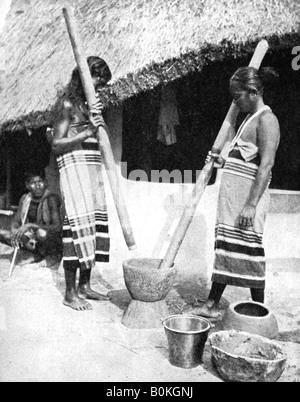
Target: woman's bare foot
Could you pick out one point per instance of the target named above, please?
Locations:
(208, 310)
(85, 292)
(77, 303)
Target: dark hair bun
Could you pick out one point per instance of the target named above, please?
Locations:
(269, 77)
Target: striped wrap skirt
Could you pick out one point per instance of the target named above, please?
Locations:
(85, 231)
(239, 253)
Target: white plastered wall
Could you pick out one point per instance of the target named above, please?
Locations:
(155, 209)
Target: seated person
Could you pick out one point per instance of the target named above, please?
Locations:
(36, 228)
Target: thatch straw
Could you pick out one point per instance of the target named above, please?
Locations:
(145, 42)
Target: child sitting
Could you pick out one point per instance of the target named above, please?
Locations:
(36, 228)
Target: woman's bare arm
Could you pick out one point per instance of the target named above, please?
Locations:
(268, 140)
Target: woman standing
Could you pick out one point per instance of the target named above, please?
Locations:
(244, 196)
(85, 233)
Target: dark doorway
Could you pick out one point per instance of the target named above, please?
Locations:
(27, 151)
(203, 100)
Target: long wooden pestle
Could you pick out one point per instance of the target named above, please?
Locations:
(103, 133)
(206, 173)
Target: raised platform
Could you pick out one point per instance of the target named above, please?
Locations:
(285, 202)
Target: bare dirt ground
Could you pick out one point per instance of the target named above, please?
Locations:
(43, 341)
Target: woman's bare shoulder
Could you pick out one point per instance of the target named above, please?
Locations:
(67, 105)
(67, 110)
(268, 127)
(268, 118)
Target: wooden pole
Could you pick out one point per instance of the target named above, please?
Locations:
(222, 137)
(8, 178)
(206, 173)
(13, 261)
(102, 135)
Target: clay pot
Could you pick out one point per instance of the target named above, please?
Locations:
(243, 357)
(145, 282)
(251, 317)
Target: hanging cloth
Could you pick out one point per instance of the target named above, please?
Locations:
(168, 117)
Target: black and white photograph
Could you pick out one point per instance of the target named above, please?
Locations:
(149, 193)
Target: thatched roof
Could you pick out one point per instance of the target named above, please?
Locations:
(145, 42)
